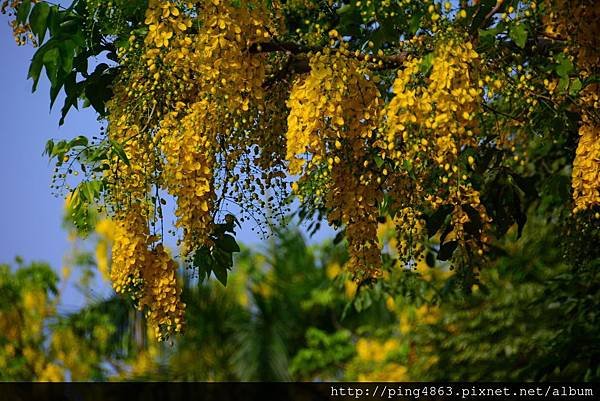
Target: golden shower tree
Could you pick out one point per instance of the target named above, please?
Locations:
(451, 119)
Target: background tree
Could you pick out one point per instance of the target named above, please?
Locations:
(38, 343)
(292, 312)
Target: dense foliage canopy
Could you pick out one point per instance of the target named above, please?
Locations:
(454, 121)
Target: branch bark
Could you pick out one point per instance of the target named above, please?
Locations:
(298, 59)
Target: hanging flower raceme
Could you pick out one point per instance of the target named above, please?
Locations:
(189, 146)
(430, 125)
(586, 168)
(333, 115)
(179, 98)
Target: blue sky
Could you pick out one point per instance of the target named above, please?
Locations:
(32, 221)
(31, 214)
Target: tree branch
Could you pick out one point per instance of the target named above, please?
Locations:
(298, 60)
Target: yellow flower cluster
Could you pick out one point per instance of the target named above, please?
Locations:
(429, 123)
(22, 334)
(129, 253)
(333, 114)
(105, 229)
(376, 361)
(576, 22)
(586, 168)
(21, 31)
(162, 293)
(181, 111)
(189, 154)
(148, 273)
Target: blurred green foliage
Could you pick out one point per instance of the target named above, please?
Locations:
(291, 312)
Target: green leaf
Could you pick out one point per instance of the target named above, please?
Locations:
(564, 66)
(518, 33)
(98, 87)
(563, 83)
(23, 11)
(87, 191)
(221, 274)
(575, 87)
(223, 258)
(427, 63)
(55, 89)
(67, 53)
(349, 14)
(228, 244)
(474, 224)
(73, 92)
(378, 161)
(53, 20)
(204, 262)
(38, 20)
(119, 151)
(51, 60)
(49, 147)
(35, 68)
(437, 219)
(362, 301)
(409, 169)
(80, 140)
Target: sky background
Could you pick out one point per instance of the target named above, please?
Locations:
(32, 215)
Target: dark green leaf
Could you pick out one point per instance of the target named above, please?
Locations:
(67, 52)
(435, 221)
(51, 61)
(482, 9)
(339, 237)
(474, 224)
(446, 250)
(35, 68)
(98, 87)
(430, 259)
(23, 11)
(415, 22)
(118, 150)
(563, 84)
(53, 20)
(223, 258)
(221, 273)
(227, 243)
(38, 20)
(55, 89)
(409, 169)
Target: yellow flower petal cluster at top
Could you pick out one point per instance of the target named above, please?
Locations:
(334, 112)
(428, 124)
